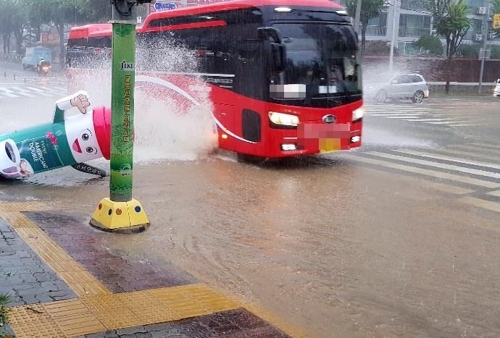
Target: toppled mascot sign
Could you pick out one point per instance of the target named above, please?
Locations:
(67, 141)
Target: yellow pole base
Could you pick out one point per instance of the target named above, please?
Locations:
(119, 216)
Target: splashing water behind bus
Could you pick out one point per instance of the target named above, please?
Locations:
(168, 125)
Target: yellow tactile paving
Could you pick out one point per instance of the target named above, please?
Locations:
(98, 313)
(97, 309)
(33, 321)
(78, 279)
(111, 311)
(74, 318)
(147, 308)
(22, 206)
(180, 304)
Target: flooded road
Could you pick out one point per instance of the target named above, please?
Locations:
(398, 239)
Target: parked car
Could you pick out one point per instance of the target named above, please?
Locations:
(404, 86)
(496, 91)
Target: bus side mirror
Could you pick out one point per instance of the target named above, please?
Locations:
(278, 57)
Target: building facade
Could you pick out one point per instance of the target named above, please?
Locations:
(414, 20)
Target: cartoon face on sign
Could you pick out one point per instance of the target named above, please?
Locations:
(82, 139)
(11, 163)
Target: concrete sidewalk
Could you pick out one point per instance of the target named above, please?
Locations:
(61, 283)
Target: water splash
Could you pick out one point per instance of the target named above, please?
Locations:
(170, 124)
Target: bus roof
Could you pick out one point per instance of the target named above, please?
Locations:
(83, 32)
(239, 4)
(105, 29)
(100, 33)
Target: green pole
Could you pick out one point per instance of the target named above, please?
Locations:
(120, 212)
(122, 107)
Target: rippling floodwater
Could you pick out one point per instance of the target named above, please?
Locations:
(324, 245)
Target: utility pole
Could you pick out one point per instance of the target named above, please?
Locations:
(357, 18)
(395, 30)
(485, 30)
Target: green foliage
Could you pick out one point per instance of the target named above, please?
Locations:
(369, 9)
(450, 22)
(17, 16)
(4, 299)
(469, 51)
(495, 52)
(377, 48)
(431, 44)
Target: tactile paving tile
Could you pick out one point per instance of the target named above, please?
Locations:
(75, 276)
(148, 309)
(192, 300)
(33, 321)
(17, 220)
(210, 299)
(74, 318)
(22, 206)
(111, 311)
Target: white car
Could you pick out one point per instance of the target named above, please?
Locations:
(404, 86)
(496, 91)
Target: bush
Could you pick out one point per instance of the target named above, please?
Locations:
(4, 299)
(429, 44)
(495, 52)
(469, 51)
(377, 48)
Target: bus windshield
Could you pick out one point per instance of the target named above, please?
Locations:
(322, 62)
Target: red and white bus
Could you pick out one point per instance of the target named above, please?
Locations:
(285, 75)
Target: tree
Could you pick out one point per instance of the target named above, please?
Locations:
(431, 44)
(96, 10)
(450, 22)
(59, 13)
(12, 20)
(369, 9)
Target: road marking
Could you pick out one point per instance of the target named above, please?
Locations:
(486, 145)
(474, 148)
(448, 158)
(23, 91)
(395, 114)
(412, 118)
(462, 153)
(426, 172)
(437, 165)
(8, 92)
(435, 120)
(494, 193)
(480, 203)
(464, 124)
(40, 91)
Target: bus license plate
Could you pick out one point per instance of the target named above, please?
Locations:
(327, 145)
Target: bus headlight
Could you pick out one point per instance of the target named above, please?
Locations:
(358, 114)
(283, 119)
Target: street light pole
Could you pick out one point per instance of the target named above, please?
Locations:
(485, 30)
(357, 17)
(395, 28)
